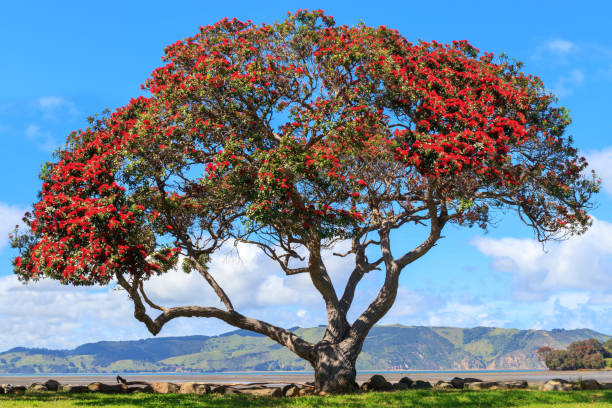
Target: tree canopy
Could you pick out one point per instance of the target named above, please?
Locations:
(585, 354)
(292, 137)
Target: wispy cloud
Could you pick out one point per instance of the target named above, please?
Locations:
(560, 46)
(54, 107)
(9, 217)
(566, 85)
(601, 162)
(43, 138)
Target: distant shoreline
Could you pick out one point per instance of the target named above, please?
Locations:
(287, 377)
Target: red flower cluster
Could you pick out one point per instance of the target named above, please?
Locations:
(303, 129)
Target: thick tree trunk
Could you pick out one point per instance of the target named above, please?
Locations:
(334, 369)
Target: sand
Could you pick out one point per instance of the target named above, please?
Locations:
(533, 377)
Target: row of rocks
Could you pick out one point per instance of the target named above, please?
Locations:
(564, 385)
(290, 390)
(379, 383)
(375, 383)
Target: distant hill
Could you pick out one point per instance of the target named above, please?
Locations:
(386, 348)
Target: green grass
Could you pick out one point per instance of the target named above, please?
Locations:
(416, 398)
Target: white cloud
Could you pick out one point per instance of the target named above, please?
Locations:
(559, 46)
(9, 216)
(579, 263)
(48, 314)
(43, 138)
(601, 162)
(250, 279)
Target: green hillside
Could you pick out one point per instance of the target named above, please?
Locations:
(393, 347)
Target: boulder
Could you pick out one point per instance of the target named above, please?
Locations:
(147, 389)
(164, 388)
(460, 382)
(1, 388)
(421, 385)
(291, 391)
(306, 391)
(481, 385)
(37, 387)
(406, 380)
(589, 385)
(232, 390)
(73, 389)
(513, 384)
(377, 383)
(52, 385)
(558, 385)
(606, 385)
(218, 389)
(194, 388)
(399, 386)
(107, 388)
(263, 392)
(14, 389)
(443, 385)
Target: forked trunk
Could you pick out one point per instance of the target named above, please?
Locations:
(334, 369)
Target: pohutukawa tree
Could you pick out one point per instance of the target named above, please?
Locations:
(292, 137)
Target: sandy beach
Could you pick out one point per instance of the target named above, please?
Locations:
(535, 377)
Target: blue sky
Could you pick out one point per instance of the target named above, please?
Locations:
(64, 61)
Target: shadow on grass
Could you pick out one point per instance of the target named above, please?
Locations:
(393, 399)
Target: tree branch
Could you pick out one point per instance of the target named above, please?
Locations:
(388, 292)
(282, 336)
(212, 282)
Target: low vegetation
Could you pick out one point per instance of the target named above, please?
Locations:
(586, 354)
(410, 398)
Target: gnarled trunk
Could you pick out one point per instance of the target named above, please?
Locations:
(334, 368)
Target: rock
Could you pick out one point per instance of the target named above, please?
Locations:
(291, 391)
(460, 382)
(263, 392)
(147, 389)
(306, 391)
(194, 388)
(37, 387)
(421, 385)
(513, 384)
(399, 386)
(219, 389)
(606, 385)
(1, 388)
(164, 388)
(481, 385)
(443, 385)
(14, 389)
(232, 390)
(73, 389)
(406, 380)
(589, 385)
(107, 388)
(52, 385)
(286, 387)
(558, 385)
(378, 383)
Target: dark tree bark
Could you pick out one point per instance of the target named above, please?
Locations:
(334, 368)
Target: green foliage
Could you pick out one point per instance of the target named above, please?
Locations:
(580, 354)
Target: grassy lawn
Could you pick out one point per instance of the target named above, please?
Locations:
(414, 398)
